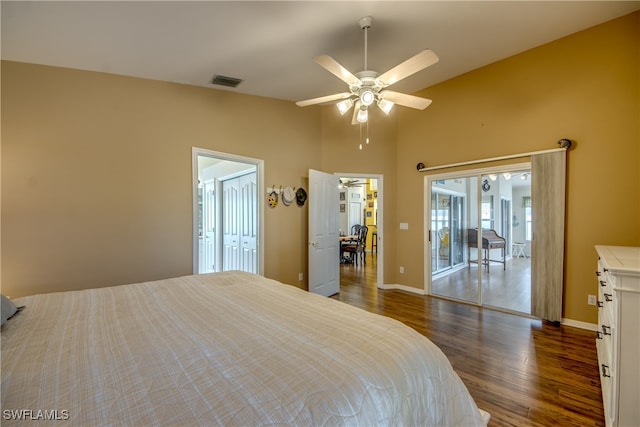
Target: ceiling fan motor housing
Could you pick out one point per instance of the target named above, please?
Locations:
(368, 89)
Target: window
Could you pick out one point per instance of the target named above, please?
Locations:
(487, 212)
(528, 217)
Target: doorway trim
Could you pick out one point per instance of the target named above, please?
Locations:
(379, 221)
(259, 164)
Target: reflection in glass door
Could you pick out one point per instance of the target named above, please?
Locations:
(451, 214)
(508, 286)
(466, 212)
(446, 224)
(440, 212)
(505, 226)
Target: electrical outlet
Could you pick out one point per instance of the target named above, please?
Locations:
(401, 269)
(300, 277)
(591, 300)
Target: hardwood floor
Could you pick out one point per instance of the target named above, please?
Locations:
(508, 288)
(523, 371)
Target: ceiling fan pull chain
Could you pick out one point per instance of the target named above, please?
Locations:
(367, 139)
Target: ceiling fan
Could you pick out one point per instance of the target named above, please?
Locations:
(368, 87)
(352, 183)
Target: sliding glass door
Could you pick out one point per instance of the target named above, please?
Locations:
(451, 215)
(480, 241)
(447, 221)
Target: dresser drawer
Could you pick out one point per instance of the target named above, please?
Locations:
(606, 378)
(605, 339)
(606, 300)
(604, 279)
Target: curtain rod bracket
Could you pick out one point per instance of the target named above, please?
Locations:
(565, 143)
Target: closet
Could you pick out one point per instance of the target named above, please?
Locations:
(239, 223)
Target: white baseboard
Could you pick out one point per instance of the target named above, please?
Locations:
(404, 288)
(579, 324)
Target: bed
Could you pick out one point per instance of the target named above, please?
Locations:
(228, 348)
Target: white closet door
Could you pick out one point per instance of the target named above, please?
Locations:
(248, 222)
(208, 253)
(231, 225)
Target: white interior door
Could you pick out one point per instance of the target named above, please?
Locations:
(324, 250)
(231, 225)
(355, 215)
(249, 223)
(240, 223)
(208, 264)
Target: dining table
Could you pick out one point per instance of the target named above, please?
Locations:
(347, 240)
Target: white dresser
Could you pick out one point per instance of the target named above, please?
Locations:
(618, 340)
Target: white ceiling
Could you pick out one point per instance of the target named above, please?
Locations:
(271, 45)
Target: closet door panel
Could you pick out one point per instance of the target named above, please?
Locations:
(231, 225)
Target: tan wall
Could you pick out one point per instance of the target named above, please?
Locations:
(96, 168)
(583, 87)
(96, 175)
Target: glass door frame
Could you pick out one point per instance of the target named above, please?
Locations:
(430, 240)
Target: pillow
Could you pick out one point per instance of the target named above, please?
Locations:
(7, 309)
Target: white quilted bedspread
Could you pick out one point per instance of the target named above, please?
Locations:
(221, 349)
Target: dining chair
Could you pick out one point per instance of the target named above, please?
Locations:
(357, 249)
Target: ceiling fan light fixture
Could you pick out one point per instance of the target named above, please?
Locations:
(367, 87)
(367, 97)
(363, 115)
(344, 106)
(385, 105)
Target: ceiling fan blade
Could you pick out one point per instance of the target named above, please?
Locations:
(354, 118)
(323, 99)
(412, 65)
(334, 67)
(406, 100)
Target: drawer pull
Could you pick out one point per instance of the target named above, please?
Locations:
(603, 283)
(599, 335)
(599, 304)
(607, 297)
(606, 330)
(605, 371)
(598, 274)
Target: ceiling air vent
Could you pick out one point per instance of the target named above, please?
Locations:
(225, 81)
